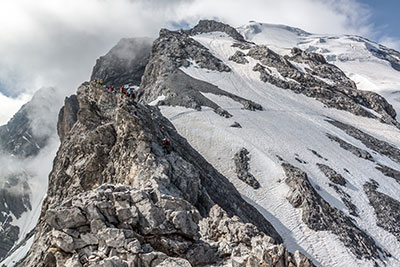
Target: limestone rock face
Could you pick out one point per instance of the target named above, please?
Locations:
(205, 26)
(67, 116)
(163, 77)
(324, 82)
(320, 215)
(116, 198)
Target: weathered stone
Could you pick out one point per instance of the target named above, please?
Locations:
(320, 216)
(332, 175)
(206, 26)
(65, 218)
(336, 90)
(236, 125)
(239, 57)
(361, 153)
(67, 116)
(382, 147)
(386, 208)
(390, 172)
(241, 160)
(63, 241)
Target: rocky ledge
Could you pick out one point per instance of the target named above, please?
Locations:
(115, 198)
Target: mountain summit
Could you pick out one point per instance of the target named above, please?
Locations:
(262, 145)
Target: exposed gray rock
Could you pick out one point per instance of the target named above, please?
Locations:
(390, 172)
(162, 76)
(205, 26)
(109, 145)
(65, 218)
(124, 63)
(335, 177)
(361, 153)
(298, 159)
(340, 92)
(390, 55)
(243, 46)
(382, 147)
(239, 57)
(243, 244)
(183, 90)
(353, 210)
(317, 154)
(386, 208)
(241, 160)
(320, 216)
(320, 68)
(236, 125)
(67, 116)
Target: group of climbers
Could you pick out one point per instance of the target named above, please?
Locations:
(124, 90)
(166, 145)
(130, 94)
(127, 92)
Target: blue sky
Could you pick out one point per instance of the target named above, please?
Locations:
(385, 17)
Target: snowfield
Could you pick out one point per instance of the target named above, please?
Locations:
(290, 126)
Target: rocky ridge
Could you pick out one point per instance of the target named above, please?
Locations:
(163, 77)
(115, 198)
(320, 80)
(319, 215)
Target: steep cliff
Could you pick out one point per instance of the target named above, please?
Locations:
(117, 197)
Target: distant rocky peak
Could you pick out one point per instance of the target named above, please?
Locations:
(124, 63)
(205, 26)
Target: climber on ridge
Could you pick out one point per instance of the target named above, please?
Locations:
(166, 145)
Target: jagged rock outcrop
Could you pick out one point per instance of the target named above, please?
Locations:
(322, 81)
(319, 215)
(390, 172)
(239, 57)
(361, 153)
(236, 125)
(333, 176)
(176, 49)
(382, 147)
(245, 244)
(120, 225)
(206, 26)
(110, 144)
(386, 208)
(124, 63)
(242, 168)
(67, 116)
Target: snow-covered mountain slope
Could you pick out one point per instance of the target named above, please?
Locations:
(371, 66)
(27, 147)
(327, 171)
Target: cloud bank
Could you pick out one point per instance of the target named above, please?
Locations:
(56, 42)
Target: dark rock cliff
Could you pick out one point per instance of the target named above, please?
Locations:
(125, 63)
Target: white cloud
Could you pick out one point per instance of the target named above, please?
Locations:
(56, 42)
(9, 106)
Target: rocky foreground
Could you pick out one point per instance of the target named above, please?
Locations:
(116, 199)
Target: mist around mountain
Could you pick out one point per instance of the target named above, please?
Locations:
(284, 152)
